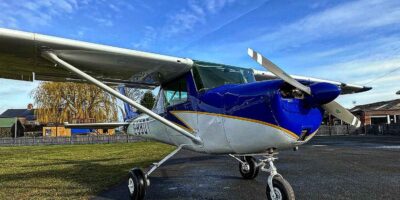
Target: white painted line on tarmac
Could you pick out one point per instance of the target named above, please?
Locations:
(388, 147)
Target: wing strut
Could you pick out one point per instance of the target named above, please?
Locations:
(54, 58)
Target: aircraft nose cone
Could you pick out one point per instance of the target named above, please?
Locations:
(322, 93)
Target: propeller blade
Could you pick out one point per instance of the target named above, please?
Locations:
(341, 113)
(270, 66)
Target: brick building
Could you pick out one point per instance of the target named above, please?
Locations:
(384, 112)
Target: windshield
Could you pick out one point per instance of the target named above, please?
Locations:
(210, 75)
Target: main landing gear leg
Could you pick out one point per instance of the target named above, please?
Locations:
(278, 188)
(139, 181)
(248, 167)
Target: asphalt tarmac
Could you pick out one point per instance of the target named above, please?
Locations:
(340, 167)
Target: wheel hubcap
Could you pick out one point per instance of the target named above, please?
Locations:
(278, 194)
(131, 185)
(245, 167)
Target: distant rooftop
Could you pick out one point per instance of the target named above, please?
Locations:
(382, 105)
(28, 114)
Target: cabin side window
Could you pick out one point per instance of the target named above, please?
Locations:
(175, 92)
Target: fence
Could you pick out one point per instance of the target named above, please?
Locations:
(382, 129)
(89, 139)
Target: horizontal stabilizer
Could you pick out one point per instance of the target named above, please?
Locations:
(96, 125)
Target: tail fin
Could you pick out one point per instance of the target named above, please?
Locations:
(130, 114)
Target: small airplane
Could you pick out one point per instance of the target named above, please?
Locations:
(205, 107)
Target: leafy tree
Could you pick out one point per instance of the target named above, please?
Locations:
(61, 102)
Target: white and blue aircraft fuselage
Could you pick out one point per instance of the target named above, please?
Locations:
(242, 117)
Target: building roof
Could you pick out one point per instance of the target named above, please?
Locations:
(28, 114)
(7, 122)
(382, 105)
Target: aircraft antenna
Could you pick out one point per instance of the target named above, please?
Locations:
(382, 76)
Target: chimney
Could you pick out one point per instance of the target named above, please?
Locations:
(30, 106)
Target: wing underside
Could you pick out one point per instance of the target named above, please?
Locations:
(21, 59)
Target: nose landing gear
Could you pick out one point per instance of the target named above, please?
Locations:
(278, 188)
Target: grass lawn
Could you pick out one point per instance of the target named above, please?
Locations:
(71, 171)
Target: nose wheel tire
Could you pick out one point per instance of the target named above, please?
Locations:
(248, 169)
(137, 184)
(282, 189)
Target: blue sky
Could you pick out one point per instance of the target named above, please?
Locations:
(349, 41)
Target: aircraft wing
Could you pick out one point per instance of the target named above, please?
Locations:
(346, 88)
(20, 59)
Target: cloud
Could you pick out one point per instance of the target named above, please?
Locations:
(347, 19)
(150, 34)
(215, 5)
(38, 13)
(114, 8)
(104, 21)
(195, 14)
(192, 16)
(18, 13)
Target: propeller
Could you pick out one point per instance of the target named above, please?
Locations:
(332, 107)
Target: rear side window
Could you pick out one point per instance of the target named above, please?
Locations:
(175, 92)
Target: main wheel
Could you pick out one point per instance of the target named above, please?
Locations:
(249, 169)
(282, 189)
(137, 184)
